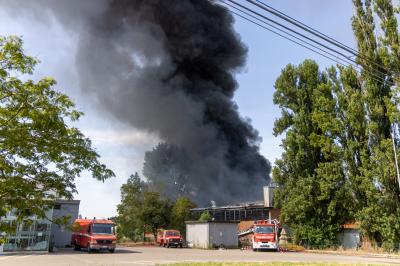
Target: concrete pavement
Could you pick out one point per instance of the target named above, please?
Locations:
(156, 255)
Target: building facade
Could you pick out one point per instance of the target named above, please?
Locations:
(34, 234)
(61, 235)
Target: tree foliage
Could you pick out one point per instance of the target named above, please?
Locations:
(181, 213)
(141, 210)
(129, 223)
(313, 190)
(338, 162)
(205, 216)
(40, 154)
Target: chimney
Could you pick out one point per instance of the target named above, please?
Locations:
(269, 196)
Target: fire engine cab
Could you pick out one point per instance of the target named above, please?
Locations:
(265, 235)
(94, 234)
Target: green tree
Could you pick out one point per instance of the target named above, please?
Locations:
(205, 216)
(313, 192)
(40, 154)
(129, 222)
(141, 210)
(181, 213)
(338, 162)
(379, 54)
(155, 212)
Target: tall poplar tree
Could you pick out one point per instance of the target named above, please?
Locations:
(313, 194)
(379, 55)
(338, 163)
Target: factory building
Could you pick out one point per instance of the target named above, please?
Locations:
(226, 221)
(249, 211)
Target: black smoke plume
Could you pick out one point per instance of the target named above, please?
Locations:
(167, 67)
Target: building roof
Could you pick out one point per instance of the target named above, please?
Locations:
(211, 222)
(255, 204)
(64, 201)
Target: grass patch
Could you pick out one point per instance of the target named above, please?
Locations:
(266, 264)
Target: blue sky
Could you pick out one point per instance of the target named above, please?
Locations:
(121, 147)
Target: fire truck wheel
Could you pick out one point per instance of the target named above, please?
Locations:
(77, 247)
(180, 245)
(89, 250)
(111, 250)
(254, 249)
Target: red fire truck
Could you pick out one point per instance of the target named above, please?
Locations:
(167, 238)
(265, 235)
(94, 234)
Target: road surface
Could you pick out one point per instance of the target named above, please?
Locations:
(156, 255)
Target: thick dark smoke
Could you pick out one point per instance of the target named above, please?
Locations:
(168, 67)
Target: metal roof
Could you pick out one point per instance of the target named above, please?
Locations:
(256, 204)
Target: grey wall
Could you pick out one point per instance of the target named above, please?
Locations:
(223, 234)
(350, 238)
(61, 236)
(212, 234)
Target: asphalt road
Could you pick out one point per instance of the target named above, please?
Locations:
(156, 255)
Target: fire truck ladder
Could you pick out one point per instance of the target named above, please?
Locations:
(245, 232)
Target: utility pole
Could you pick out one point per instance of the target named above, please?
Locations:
(395, 155)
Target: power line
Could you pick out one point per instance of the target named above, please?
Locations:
(285, 37)
(290, 29)
(287, 33)
(314, 32)
(257, 17)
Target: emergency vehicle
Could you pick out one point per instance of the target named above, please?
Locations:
(265, 235)
(94, 234)
(168, 238)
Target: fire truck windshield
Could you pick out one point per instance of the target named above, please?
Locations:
(102, 229)
(266, 229)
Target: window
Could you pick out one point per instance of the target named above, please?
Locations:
(264, 229)
(102, 229)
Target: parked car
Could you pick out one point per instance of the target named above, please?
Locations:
(168, 238)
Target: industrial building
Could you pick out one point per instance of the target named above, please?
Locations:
(249, 211)
(227, 221)
(36, 234)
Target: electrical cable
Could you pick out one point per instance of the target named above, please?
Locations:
(289, 34)
(352, 62)
(315, 32)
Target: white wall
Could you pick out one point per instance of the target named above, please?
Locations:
(197, 235)
(223, 234)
